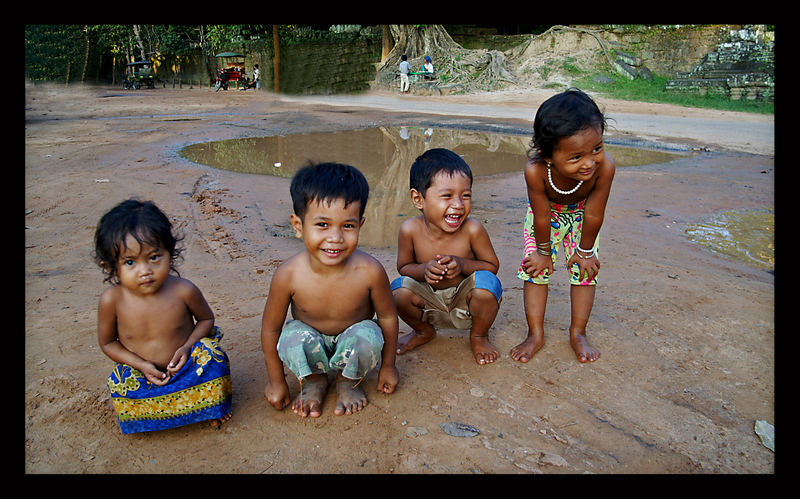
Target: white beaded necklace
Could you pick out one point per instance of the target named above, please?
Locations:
(550, 179)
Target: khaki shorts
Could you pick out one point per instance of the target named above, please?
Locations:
(447, 308)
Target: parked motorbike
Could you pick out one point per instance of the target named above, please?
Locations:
(222, 80)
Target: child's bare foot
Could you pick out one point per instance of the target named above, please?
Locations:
(414, 339)
(483, 351)
(351, 397)
(528, 348)
(309, 401)
(217, 423)
(584, 351)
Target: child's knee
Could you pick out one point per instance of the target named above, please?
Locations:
(487, 281)
(483, 298)
(406, 299)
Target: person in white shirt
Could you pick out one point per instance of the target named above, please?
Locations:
(427, 68)
(405, 67)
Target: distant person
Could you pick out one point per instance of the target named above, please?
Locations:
(157, 327)
(427, 68)
(405, 68)
(256, 83)
(446, 261)
(568, 178)
(334, 291)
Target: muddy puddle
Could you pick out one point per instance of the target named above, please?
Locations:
(746, 236)
(385, 155)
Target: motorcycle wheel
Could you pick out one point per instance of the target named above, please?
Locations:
(216, 86)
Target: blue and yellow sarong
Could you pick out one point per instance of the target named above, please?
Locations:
(202, 390)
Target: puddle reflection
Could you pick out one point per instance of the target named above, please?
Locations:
(384, 155)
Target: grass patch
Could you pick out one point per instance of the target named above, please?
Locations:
(655, 91)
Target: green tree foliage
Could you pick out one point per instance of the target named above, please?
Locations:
(58, 52)
(53, 51)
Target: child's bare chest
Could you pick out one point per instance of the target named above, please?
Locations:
(330, 302)
(426, 248)
(152, 318)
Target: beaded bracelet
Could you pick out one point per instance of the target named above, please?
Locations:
(590, 252)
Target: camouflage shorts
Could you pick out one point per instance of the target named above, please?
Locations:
(354, 351)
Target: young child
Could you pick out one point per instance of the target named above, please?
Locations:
(157, 326)
(334, 291)
(568, 179)
(446, 261)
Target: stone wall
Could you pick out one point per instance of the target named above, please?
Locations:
(741, 67)
(324, 66)
(732, 60)
(665, 50)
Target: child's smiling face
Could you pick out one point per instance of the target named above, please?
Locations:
(447, 202)
(578, 155)
(329, 230)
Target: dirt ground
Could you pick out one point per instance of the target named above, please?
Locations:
(687, 337)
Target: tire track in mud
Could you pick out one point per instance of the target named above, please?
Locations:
(205, 225)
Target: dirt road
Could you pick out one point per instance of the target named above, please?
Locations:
(687, 337)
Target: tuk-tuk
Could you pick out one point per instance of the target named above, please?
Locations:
(230, 68)
(139, 74)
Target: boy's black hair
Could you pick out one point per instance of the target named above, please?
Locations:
(327, 182)
(561, 116)
(433, 161)
(145, 222)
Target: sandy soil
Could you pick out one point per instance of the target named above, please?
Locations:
(687, 337)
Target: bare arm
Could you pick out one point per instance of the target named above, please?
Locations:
(204, 322)
(386, 312)
(536, 263)
(595, 208)
(277, 391)
(407, 264)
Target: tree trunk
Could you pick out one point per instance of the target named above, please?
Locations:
(418, 41)
(85, 54)
(139, 40)
(276, 59)
(471, 69)
(386, 42)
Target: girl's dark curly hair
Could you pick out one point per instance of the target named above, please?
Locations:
(144, 222)
(563, 115)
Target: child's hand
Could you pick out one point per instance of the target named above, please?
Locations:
(535, 264)
(588, 266)
(155, 375)
(388, 378)
(434, 271)
(179, 358)
(277, 394)
(451, 264)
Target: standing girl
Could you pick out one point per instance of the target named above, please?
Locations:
(568, 179)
